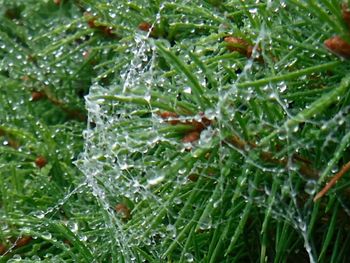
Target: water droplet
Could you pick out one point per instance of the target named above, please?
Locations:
(46, 235)
(156, 180)
(40, 214)
(253, 10)
(310, 187)
(188, 90)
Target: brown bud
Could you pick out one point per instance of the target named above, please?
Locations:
(167, 115)
(105, 29)
(200, 125)
(123, 210)
(206, 122)
(57, 2)
(3, 249)
(145, 26)
(193, 177)
(108, 31)
(338, 46)
(249, 51)
(90, 19)
(38, 95)
(40, 161)
(25, 240)
(346, 14)
(191, 137)
(238, 44)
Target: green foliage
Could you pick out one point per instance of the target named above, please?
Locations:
(136, 131)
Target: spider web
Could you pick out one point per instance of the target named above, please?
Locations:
(169, 189)
(174, 189)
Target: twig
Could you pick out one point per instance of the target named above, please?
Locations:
(332, 182)
(72, 113)
(304, 168)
